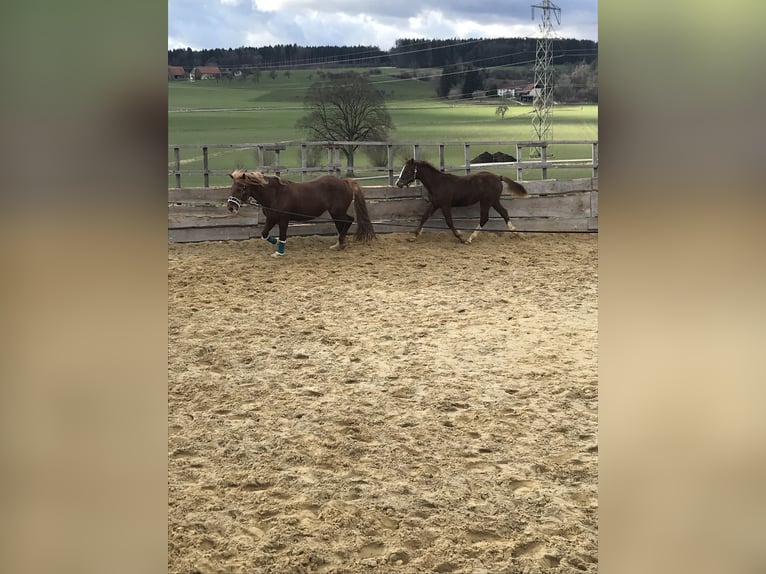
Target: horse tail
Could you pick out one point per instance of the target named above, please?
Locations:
(513, 186)
(365, 232)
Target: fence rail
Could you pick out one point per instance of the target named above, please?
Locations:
(200, 214)
(331, 150)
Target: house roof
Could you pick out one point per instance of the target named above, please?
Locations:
(176, 70)
(528, 88)
(208, 69)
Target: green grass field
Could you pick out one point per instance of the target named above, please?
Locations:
(245, 111)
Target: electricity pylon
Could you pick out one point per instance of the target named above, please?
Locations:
(542, 121)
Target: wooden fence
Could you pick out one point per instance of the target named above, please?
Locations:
(274, 158)
(200, 214)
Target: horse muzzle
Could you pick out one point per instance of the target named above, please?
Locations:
(233, 204)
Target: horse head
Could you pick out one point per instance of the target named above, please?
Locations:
(408, 175)
(241, 187)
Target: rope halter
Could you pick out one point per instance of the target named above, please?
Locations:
(235, 201)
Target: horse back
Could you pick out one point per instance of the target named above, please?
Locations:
(312, 198)
(475, 187)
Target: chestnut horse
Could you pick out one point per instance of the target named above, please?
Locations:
(285, 201)
(446, 191)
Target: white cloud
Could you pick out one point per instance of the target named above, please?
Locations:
(273, 5)
(263, 37)
(175, 43)
(234, 23)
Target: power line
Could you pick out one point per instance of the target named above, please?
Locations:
(358, 57)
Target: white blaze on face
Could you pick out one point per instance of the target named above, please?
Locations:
(400, 174)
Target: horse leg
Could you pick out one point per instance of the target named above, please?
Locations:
(482, 221)
(270, 223)
(447, 211)
(282, 238)
(343, 222)
(497, 206)
(430, 209)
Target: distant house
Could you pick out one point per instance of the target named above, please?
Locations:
(207, 72)
(511, 89)
(176, 73)
(527, 93)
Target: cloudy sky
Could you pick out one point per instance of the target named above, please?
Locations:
(199, 24)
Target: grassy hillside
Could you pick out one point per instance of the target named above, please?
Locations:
(246, 111)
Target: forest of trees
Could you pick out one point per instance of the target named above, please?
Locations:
(470, 68)
(572, 82)
(280, 56)
(407, 53)
(414, 53)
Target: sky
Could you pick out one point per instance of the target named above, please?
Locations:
(207, 24)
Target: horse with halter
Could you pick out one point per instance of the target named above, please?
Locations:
(446, 191)
(285, 201)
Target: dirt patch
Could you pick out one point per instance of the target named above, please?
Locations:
(402, 407)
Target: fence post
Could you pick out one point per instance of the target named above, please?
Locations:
(594, 159)
(259, 156)
(544, 159)
(467, 158)
(276, 162)
(441, 157)
(177, 156)
(390, 163)
(519, 159)
(304, 161)
(416, 151)
(205, 170)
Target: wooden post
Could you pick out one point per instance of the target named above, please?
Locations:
(544, 159)
(467, 158)
(259, 156)
(304, 161)
(416, 151)
(390, 163)
(594, 159)
(519, 159)
(276, 161)
(205, 170)
(177, 156)
(441, 157)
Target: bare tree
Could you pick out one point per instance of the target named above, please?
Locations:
(346, 107)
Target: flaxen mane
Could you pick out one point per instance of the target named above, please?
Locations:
(250, 177)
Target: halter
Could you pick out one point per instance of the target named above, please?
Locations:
(235, 201)
(414, 175)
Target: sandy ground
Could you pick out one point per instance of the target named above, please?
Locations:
(402, 407)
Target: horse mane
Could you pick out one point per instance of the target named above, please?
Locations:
(249, 177)
(423, 163)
